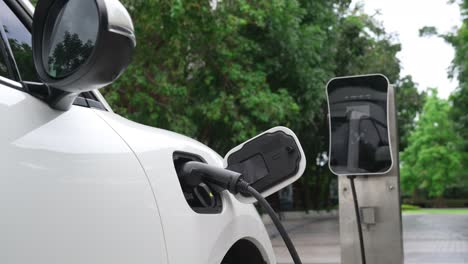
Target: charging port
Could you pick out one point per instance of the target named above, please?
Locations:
(204, 198)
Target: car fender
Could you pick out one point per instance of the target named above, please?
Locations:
(190, 237)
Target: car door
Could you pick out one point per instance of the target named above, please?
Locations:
(71, 190)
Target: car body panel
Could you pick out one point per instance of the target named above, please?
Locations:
(71, 191)
(190, 237)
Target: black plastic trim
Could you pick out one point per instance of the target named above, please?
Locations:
(38, 90)
(89, 95)
(22, 14)
(80, 101)
(189, 196)
(43, 92)
(95, 104)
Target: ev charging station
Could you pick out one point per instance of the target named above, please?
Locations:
(364, 156)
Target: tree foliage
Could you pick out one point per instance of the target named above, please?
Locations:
(243, 67)
(363, 46)
(224, 74)
(431, 162)
(459, 70)
(409, 104)
(459, 99)
(196, 70)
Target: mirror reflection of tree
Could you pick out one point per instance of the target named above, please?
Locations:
(69, 54)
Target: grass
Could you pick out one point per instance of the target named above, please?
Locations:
(409, 207)
(457, 211)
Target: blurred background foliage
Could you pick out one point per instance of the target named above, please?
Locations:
(435, 163)
(222, 72)
(432, 161)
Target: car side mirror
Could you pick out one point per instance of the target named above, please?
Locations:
(80, 45)
(359, 125)
(268, 162)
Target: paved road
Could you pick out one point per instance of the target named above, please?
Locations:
(432, 239)
(428, 239)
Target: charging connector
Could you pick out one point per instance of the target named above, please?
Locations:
(195, 173)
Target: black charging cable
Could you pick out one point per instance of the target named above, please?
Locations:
(358, 219)
(193, 173)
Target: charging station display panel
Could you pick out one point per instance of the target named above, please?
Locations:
(359, 131)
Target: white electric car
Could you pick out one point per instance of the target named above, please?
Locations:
(80, 184)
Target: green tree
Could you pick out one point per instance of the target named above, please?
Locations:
(363, 47)
(195, 72)
(460, 70)
(409, 104)
(459, 98)
(431, 162)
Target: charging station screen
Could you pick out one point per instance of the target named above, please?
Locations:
(359, 139)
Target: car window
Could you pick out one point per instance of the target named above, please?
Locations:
(20, 40)
(3, 63)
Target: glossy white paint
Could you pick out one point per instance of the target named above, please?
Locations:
(190, 237)
(279, 186)
(71, 191)
(118, 17)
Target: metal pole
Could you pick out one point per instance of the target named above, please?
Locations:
(379, 205)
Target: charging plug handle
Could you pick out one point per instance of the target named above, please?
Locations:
(194, 172)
